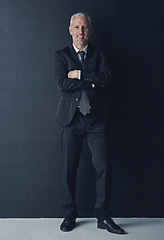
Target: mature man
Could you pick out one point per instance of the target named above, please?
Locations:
(83, 76)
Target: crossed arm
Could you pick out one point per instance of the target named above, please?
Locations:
(69, 81)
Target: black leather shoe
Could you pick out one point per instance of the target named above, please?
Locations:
(110, 226)
(68, 224)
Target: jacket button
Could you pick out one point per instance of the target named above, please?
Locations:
(77, 99)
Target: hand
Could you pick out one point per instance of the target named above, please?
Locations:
(73, 74)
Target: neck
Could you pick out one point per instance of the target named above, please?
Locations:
(80, 47)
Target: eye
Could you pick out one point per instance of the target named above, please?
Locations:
(76, 27)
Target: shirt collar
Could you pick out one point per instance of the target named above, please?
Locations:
(77, 50)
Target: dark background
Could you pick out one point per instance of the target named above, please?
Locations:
(131, 31)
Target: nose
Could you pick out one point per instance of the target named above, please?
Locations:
(81, 30)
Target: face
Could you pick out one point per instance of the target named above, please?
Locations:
(80, 31)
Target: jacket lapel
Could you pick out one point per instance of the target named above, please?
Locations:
(89, 53)
(74, 56)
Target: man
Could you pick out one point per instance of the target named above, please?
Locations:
(83, 76)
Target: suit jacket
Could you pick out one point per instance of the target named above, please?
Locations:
(95, 71)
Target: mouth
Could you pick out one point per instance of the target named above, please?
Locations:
(80, 36)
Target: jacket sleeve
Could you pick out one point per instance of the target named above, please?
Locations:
(102, 77)
(66, 84)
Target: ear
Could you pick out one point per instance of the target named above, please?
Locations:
(70, 30)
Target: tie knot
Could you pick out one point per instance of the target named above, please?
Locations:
(82, 53)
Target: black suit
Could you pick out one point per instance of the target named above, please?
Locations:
(74, 126)
(96, 71)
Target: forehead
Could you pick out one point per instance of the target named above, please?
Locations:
(80, 20)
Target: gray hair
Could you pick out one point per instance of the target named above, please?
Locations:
(82, 15)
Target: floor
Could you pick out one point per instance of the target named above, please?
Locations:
(48, 229)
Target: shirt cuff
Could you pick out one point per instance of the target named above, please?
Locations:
(79, 75)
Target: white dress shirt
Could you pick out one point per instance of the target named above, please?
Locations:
(77, 50)
(85, 50)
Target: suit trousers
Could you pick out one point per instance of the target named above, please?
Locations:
(98, 140)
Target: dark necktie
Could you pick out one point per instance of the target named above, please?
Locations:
(84, 101)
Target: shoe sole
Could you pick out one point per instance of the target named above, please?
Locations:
(104, 228)
(100, 227)
(67, 230)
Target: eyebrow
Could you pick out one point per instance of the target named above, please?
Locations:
(82, 25)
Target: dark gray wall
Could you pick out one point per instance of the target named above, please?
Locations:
(131, 31)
